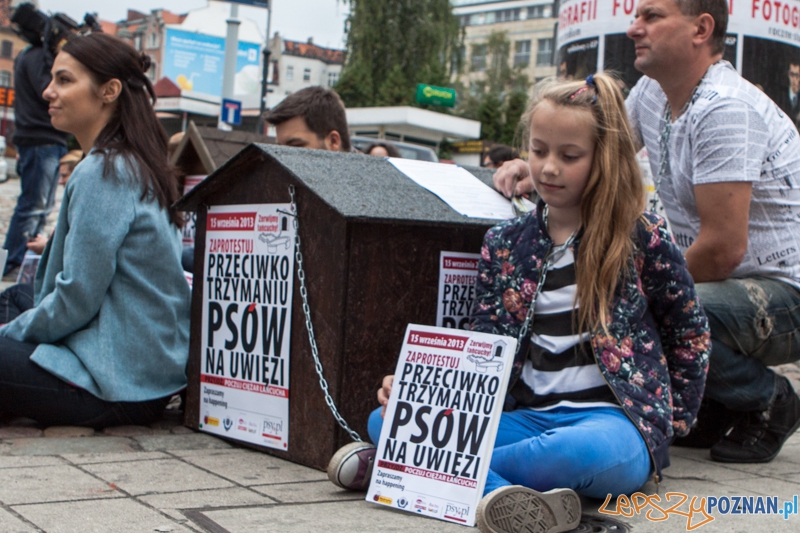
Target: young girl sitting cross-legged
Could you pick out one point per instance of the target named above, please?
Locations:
(613, 345)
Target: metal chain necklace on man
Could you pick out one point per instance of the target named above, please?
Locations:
(301, 275)
(663, 146)
(553, 256)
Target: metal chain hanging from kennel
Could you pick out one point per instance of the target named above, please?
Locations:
(301, 275)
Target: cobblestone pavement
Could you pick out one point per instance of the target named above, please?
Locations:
(167, 478)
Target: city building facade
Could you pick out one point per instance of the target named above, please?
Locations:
(145, 32)
(296, 65)
(529, 26)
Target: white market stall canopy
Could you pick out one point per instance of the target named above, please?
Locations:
(411, 123)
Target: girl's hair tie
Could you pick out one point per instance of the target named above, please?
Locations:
(590, 84)
(579, 91)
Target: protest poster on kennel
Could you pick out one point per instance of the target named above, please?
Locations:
(440, 426)
(457, 274)
(246, 330)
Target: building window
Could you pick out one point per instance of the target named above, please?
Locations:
(7, 49)
(333, 77)
(507, 15)
(307, 74)
(544, 53)
(152, 40)
(522, 54)
(540, 12)
(289, 73)
(137, 42)
(478, 60)
(5, 78)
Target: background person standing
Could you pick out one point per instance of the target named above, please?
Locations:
(39, 145)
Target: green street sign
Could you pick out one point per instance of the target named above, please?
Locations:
(428, 94)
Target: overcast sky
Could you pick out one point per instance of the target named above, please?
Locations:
(294, 19)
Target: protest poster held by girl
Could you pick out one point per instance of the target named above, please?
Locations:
(106, 341)
(613, 343)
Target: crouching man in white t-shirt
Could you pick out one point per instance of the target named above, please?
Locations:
(726, 163)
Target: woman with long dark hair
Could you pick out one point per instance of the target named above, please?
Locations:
(107, 340)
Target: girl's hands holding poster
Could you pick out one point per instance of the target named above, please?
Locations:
(384, 392)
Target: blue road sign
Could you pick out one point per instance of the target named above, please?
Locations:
(231, 111)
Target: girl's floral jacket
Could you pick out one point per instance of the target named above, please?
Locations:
(655, 356)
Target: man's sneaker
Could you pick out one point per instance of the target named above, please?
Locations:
(758, 436)
(517, 509)
(351, 466)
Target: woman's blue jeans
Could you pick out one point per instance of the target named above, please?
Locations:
(754, 322)
(594, 451)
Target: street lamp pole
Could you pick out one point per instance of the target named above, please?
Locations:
(265, 74)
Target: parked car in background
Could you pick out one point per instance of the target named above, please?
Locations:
(407, 150)
(3, 163)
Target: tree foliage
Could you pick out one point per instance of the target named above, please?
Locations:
(515, 107)
(392, 45)
(490, 114)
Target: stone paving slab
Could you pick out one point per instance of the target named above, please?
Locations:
(247, 467)
(703, 470)
(29, 460)
(312, 491)
(19, 432)
(206, 499)
(349, 516)
(190, 441)
(782, 467)
(157, 476)
(9, 523)
(109, 516)
(68, 431)
(51, 483)
(89, 458)
(43, 446)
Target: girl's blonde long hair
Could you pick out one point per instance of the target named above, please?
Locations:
(614, 196)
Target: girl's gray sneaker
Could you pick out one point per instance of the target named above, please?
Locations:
(351, 466)
(517, 509)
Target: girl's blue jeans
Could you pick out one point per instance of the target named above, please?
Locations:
(594, 451)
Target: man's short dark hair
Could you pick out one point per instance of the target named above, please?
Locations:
(501, 153)
(321, 108)
(718, 9)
